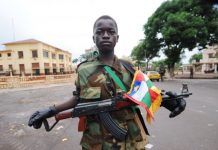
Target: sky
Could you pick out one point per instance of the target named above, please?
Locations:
(68, 24)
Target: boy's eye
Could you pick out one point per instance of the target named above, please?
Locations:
(112, 32)
(98, 32)
(102, 32)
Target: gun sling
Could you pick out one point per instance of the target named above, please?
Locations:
(106, 119)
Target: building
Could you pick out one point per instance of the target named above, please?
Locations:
(209, 62)
(33, 57)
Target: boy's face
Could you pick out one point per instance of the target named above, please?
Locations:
(105, 35)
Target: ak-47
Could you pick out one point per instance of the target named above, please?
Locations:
(102, 109)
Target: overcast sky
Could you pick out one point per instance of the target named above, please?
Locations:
(68, 24)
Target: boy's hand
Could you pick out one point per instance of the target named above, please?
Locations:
(176, 106)
(37, 118)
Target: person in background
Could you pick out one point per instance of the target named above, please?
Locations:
(162, 72)
(191, 72)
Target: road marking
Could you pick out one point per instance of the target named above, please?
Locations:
(210, 124)
(64, 139)
(148, 146)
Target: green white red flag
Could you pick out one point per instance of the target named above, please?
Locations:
(145, 94)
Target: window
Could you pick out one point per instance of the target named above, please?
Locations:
(46, 65)
(1, 67)
(45, 54)
(34, 53)
(35, 65)
(53, 56)
(211, 55)
(0, 55)
(61, 56)
(9, 54)
(10, 67)
(35, 69)
(20, 54)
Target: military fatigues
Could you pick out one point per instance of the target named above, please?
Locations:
(94, 83)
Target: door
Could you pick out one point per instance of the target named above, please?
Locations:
(22, 69)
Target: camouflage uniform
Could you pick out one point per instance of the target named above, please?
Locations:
(92, 84)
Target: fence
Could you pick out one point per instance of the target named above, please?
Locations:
(26, 81)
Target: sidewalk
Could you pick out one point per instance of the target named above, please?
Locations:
(35, 86)
(9, 82)
(197, 76)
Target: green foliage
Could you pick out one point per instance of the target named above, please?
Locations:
(145, 51)
(75, 60)
(138, 52)
(157, 64)
(196, 57)
(181, 24)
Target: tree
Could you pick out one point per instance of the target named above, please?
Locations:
(138, 53)
(196, 57)
(144, 52)
(182, 24)
(156, 64)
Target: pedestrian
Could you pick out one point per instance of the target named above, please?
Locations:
(191, 72)
(162, 72)
(93, 84)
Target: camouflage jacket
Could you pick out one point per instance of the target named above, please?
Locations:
(95, 84)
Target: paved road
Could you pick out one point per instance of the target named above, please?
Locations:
(195, 129)
(16, 107)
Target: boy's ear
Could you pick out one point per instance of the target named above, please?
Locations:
(117, 38)
(93, 38)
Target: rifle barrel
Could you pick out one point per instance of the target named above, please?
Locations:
(182, 95)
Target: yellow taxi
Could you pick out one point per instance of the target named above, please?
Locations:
(153, 75)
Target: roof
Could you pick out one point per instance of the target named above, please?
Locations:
(5, 50)
(23, 42)
(28, 41)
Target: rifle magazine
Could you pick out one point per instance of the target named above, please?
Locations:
(108, 122)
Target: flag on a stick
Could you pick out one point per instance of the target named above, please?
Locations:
(145, 94)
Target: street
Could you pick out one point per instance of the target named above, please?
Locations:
(195, 129)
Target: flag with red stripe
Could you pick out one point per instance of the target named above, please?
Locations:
(145, 94)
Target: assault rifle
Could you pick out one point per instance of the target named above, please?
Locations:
(102, 109)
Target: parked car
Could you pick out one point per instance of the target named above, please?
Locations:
(153, 75)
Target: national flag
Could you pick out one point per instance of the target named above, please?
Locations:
(145, 94)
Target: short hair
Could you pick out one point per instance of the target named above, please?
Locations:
(105, 17)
